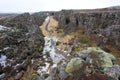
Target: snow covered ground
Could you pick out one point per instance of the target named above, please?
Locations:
(49, 48)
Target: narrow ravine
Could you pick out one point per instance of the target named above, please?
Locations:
(54, 52)
(50, 47)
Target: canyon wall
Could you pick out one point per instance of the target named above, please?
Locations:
(21, 42)
(103, 22)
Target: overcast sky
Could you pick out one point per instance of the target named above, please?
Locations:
(53, 5)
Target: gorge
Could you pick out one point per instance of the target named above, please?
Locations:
(64, 45)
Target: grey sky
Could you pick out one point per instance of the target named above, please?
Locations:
(53, 5)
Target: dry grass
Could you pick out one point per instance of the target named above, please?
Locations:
(52, 27)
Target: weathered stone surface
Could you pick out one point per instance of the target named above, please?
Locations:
(92, 63)
(113, 34)
(93, 22)
(74, 65)
(93, 54)
(21, 42)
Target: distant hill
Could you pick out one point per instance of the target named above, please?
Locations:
(6, 14)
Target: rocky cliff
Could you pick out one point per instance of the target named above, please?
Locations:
(100, 22)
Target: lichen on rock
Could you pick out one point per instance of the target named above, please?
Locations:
(74, 65)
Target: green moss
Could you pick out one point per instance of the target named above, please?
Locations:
(33, 77)
(78, 49)
(84, 40)
(74, 65)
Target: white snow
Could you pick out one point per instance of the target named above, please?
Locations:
(3, 27)
(47, 19)
(48, 48)
(44, 56)
(6, 48)
(17, 65)
(3, 60)
(54, 65)
(32, 61)
(54, 55)
(44, 69)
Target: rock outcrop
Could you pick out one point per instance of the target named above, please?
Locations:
(21, 41)
(74, 64)
(91, 63)
(92, 21)
(113, 34)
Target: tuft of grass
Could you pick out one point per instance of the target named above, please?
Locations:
(84, 40)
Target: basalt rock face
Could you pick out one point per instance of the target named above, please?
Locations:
(66, 20)
(21, 40)
(93, 22)
(113, 34)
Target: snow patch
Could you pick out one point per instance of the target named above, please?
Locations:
(32, 61)
(49, 48)
(3, 27)
(44, 69)
(47, 19)
(3, 60)
(6, 48)
(54, 65)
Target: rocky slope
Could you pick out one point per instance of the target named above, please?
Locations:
(21, 41)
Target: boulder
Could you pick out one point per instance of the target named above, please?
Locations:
(74, 65)
(90, 63)
(104, 59)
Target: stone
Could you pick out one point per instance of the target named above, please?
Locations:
(106, 63)
(104, 59)
(113, 34)
(97, 50)
(74, 65)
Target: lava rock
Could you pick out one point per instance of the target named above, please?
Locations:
(74, 65)
(21, 39)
